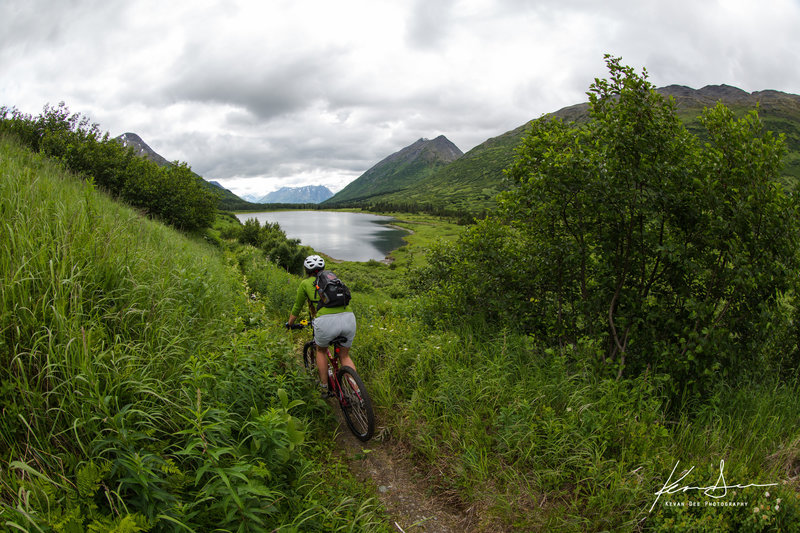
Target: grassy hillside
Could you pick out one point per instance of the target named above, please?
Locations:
(139, 387)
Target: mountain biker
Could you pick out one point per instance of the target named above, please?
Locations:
(329, 322)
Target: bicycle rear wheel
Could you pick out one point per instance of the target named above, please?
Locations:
(356, 404)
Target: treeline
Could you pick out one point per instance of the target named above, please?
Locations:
(639, 243)
(459, 216)
(280, 207)
(173, 194)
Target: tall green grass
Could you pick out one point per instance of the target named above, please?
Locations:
(138, 388)
(532, 440)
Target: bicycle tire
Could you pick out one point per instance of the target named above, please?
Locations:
(356, 404)
(310, 359)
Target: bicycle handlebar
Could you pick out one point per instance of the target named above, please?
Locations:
(301, 325)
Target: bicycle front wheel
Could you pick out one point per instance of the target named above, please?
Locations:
(310, 359)
(356, 404)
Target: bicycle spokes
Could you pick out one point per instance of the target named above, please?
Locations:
(352, 385)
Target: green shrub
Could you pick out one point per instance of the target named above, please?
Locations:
(672, 254)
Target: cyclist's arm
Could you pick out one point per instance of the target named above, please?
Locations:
(298, 303)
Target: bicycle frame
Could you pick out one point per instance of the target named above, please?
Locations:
(345, 385)
(333, 370)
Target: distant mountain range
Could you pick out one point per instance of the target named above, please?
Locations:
(309, 194)
(470, 182)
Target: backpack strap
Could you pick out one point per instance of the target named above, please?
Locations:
(316, 290)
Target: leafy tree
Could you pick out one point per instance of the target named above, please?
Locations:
(666, 252)
(250, 232)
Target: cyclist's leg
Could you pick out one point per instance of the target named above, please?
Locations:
(322, 364)
(328, 327)
(344, 357)
(348, 329)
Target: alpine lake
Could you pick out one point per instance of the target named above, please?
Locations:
(339, 234)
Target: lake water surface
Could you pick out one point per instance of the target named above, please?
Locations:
(341, 235)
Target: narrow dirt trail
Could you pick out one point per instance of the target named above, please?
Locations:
(398, 484)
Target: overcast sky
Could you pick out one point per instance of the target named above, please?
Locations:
(262, 94)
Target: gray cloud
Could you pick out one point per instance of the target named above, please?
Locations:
(428, 23)
(266, 93)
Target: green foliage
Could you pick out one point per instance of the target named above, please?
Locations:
(284, 252)
(669, 253)
(540, 441)
(475, 276)
(173, 194)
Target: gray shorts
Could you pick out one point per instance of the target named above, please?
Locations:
(328, 327)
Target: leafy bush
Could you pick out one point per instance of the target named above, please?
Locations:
(672, 255)
(284, 252)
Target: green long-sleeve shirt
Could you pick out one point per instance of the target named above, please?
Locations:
(307, 292)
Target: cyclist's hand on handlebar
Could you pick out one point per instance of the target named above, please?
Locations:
(294, 326)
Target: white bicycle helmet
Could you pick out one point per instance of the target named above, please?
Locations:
(314, 262)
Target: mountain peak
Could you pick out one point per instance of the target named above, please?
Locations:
(440, 149)
(141, 148)
(401, 170)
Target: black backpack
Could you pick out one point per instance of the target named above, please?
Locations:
(331, 290)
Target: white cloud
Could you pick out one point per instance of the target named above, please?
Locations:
(265, 94)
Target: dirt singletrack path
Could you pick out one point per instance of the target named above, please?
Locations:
(399, 484)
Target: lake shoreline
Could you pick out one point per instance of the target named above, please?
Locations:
(339, 235)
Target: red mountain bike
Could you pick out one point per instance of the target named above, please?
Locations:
(346, 385)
